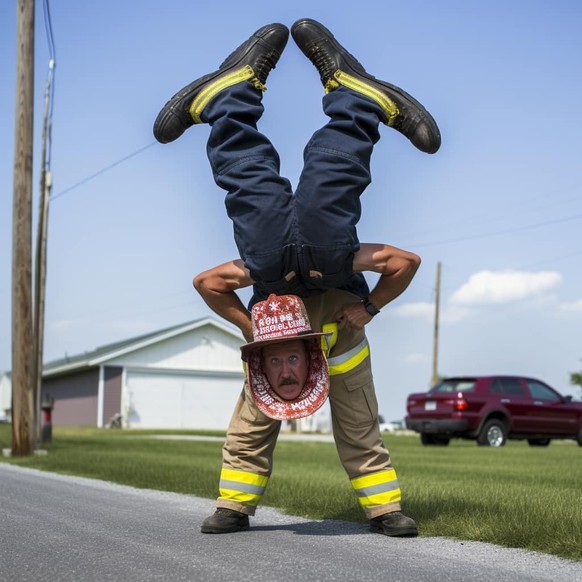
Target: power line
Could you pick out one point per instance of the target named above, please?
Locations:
(552, 260)
(500, 214)
(50, 85)
(49, 29)
(103, 170)
(501, 232)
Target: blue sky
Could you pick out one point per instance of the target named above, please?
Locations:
(500, 205)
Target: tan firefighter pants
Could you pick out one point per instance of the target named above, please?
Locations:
(252, 436)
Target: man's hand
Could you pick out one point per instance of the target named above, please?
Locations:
(352, 315)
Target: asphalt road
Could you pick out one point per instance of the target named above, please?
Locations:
(60, 528)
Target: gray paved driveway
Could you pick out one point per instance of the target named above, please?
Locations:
(60, 528)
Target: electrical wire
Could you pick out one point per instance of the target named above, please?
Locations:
(500, 232)
(50, 94)
(49, 29)
(103, 170)
(50, 85)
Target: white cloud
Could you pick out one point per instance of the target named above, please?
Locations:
(571, 306)
(487, 287)
(420, 309)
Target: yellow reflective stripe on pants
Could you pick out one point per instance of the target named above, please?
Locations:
(349, 360)
(328, 341)
(242, 487)
(377, 489)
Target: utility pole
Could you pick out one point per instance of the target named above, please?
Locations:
(435, 349)
(40, 261)
(22, 344)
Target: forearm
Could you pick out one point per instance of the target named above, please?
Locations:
(394, 282)
(396, 268)
(218, 287)
(229, 307)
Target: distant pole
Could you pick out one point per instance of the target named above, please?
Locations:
(22, 341)
(40, 265)
(435, 349)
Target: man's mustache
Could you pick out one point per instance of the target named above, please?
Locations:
(288, 382)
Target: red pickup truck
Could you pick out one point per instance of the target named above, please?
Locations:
(492, 409)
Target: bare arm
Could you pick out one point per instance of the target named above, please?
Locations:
(396, 267)
(218, 287)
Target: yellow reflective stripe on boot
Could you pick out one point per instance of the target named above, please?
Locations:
(348, 361)
(215, 87)
(377, 488)
(388, 106)
(241, 486)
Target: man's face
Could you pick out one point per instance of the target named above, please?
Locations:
(286, 366)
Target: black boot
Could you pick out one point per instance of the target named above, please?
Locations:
(225, 521)
(251, 61)
(336, 66)
(394, 524)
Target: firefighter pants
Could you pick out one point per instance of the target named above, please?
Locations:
(252, 436)
(310, 232)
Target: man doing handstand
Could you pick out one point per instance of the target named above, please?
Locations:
(303, 243)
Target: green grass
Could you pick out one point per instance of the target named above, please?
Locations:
(514, 496)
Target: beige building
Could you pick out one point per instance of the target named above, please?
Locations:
(186, 376)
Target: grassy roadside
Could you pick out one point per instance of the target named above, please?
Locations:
(515, 496)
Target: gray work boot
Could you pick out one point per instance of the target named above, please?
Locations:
(225, 521)
(394, 524)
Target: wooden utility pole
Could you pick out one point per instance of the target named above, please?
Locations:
(22, 340)
(435, 348)
(40, 261)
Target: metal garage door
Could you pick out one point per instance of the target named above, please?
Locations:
(162, 400)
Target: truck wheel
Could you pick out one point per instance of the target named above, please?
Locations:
(579, 437)
(493, 434)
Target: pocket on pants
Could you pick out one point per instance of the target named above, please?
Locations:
(353, 397)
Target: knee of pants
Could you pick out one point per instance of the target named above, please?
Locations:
(251, 438)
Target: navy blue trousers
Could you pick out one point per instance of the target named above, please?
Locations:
(300, 242)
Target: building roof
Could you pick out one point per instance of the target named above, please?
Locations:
(114, 350)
